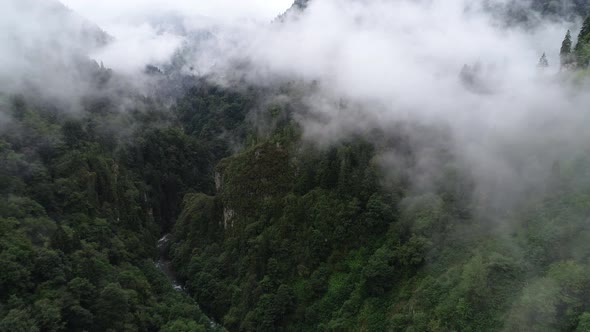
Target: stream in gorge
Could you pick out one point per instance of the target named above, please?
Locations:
(163, 264)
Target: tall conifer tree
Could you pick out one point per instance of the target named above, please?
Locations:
(582, 51)
(565, 54)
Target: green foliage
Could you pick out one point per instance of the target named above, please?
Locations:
(183, 325)
(582, 49)
(379, 272)
(77, 224)
(565, 53)
(18, 321)
(583, 323)
(269, 232)
(112, 307)
(300, 238)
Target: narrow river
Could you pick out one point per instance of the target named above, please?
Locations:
(163, 264)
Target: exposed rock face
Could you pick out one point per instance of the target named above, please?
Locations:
(218, 182)
(228, 217)
(242, 180)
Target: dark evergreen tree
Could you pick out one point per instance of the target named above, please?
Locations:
(582, 50)
(565, 54)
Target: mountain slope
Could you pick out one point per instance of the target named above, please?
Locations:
(48, 50)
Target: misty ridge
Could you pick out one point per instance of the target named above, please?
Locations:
(395, 61)
(359, 165)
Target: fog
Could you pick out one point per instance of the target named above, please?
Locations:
(373, 64)
(400, 61)
(39, 40)
(150, 31)
(107, 11)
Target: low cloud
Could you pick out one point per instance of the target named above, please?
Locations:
(378, 63)
(372, 64)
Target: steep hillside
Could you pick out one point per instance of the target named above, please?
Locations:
(57, 26)
(45, 46)
(299, 238)
(85, 196)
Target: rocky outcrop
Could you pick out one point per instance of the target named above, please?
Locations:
(245, 180)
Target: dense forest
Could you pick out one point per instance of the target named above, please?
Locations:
(269, 229)
(85, 198)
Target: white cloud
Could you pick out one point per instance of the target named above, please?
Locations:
(400, 60)
(395, 60)
(135, 47)
(134, 24)
(107, 11)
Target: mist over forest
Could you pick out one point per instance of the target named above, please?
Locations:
(316, 165)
